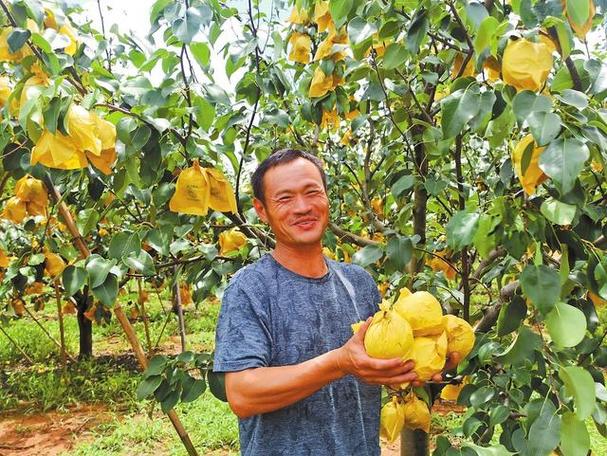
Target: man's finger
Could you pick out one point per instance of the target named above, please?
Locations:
(386, 364)
(363, 329)
(394, 372)
(453, 361)
(437, 378)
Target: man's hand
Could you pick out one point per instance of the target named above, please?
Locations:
(353, 359)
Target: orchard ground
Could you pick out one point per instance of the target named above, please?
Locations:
(93, 410)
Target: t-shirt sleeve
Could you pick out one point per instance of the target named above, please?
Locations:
(242, 338)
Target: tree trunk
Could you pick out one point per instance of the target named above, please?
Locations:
(85, 327)
(414, 443)
(420, 194)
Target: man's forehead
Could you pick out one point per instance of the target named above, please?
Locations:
(293, 175)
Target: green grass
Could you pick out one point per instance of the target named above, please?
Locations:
(105, 379)
(40, 388)
(209, 422)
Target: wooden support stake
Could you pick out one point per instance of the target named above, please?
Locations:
(145, 317)
(61, 329)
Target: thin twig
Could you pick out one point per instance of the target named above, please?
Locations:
(108, 52)
(25, 355)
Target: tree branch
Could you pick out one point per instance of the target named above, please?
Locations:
(491, 315)
(351, 237)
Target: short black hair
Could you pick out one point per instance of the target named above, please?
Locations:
(280, 157)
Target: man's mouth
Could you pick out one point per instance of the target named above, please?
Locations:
(305, 223)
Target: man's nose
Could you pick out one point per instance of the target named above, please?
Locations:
(301, 204)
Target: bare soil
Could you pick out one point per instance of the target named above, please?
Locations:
(47, 433)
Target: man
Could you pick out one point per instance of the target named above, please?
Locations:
(298, 380)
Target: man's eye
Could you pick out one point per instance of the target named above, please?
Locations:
(284, 199)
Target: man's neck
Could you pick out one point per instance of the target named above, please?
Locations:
(308, 261)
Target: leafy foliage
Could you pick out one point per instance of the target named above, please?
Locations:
(417, 105)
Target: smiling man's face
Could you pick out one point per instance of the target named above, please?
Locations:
(296, 205)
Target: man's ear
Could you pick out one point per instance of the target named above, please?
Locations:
(260, 209)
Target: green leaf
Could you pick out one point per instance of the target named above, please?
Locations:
(458, 109)
(339, 10)
(417, 30)
(359, 30)
(498, 415)
(476, 13)
(141, 262)
(51, 115)
(140, 137)
(192, 389)
(368, 255)
(36, 259)
(403, 184)
(159, 240)
(599, 276)
(558, 212)
(205, 113)
(575, 440)
(394, 56)
(41, 42)
(186, 28)
(148, 386)
(73, 278)
(566, 325)
(580, 385)
(156, 365)
(578, 11)
(563, 160)
(107, 292)
(545, 432)
(544, 126)
(399, 251)
(123, 244)
(526, 103)
(97, 268)
(217, 385)
(461, 229)
(496, 450)
(522, 348)
(170, 401)
(201, 53)
(485, 33)
(185, 357)
(573, 98)
(482, 396)
(17, 39)
(565, 37)
(511, 316)
(542, 285)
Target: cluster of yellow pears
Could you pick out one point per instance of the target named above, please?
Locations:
(414, 328)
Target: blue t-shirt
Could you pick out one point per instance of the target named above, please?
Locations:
(271, 316)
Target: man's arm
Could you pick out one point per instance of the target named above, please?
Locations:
(265, 389)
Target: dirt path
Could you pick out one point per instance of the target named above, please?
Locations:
(47, 433)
